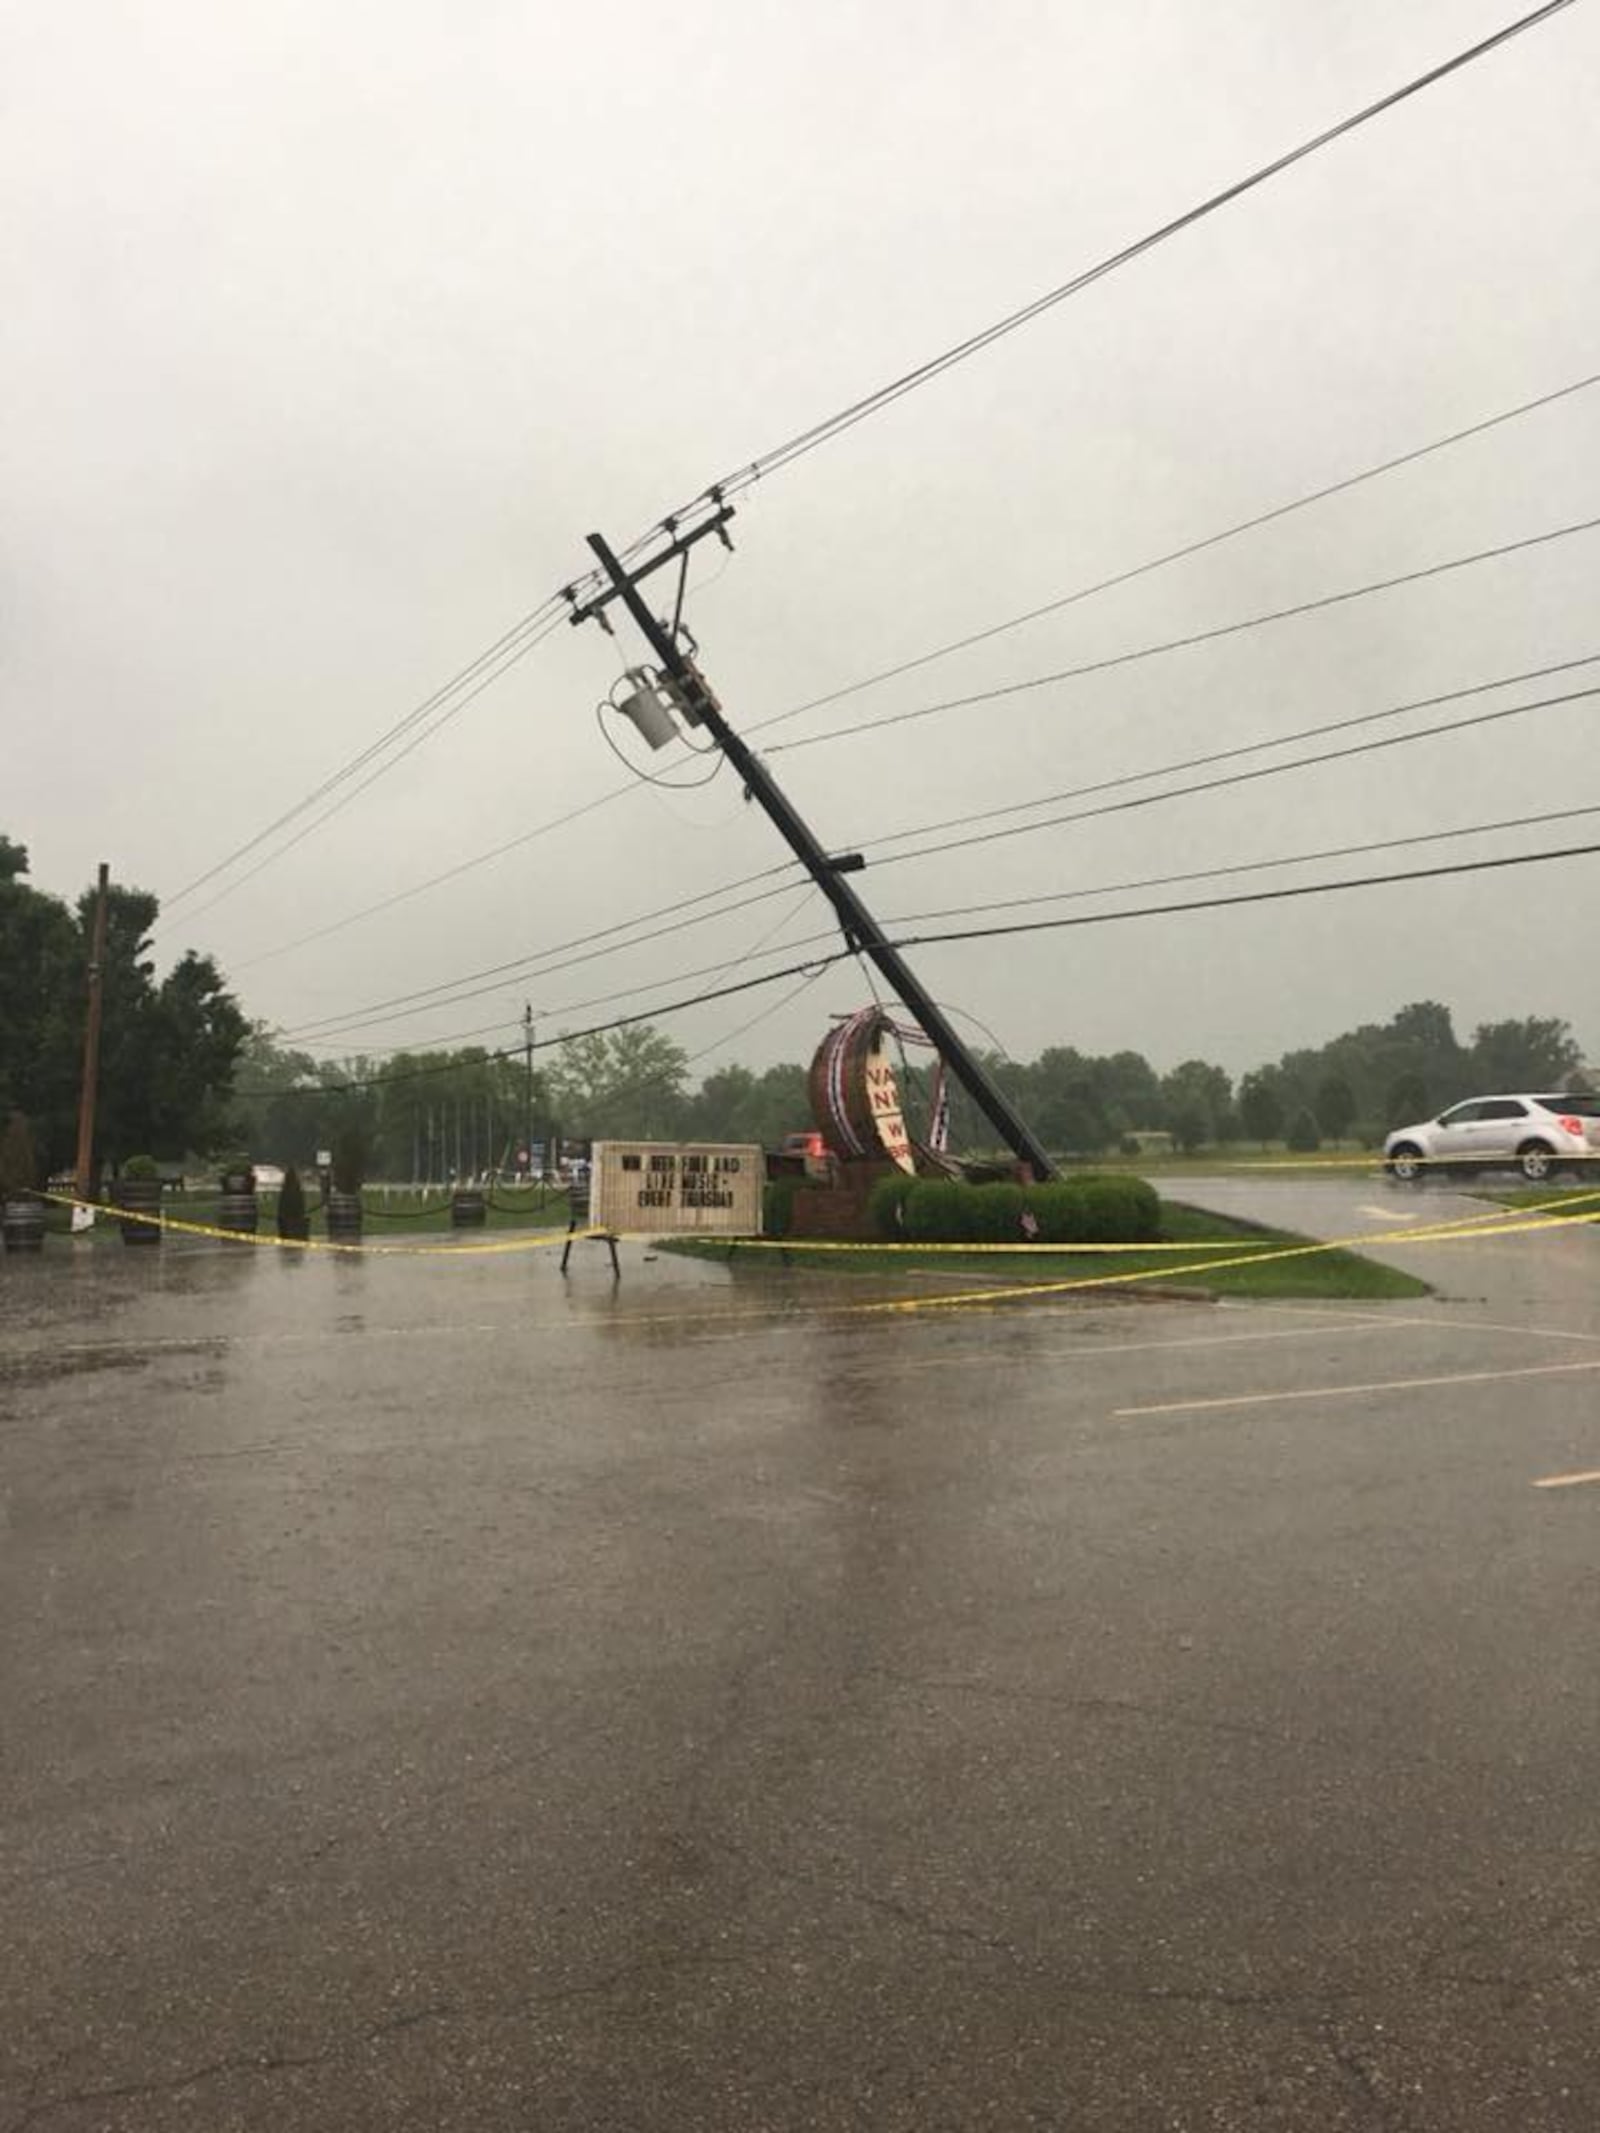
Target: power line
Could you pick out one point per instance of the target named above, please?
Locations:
(975, 933)
(516, 642)
(1192, 548)
(1252, 866)
(1242, 777)
(469, 985)
(434, 881)
(1012, 903)
(1252, 896)
(719, 969)
(1176, 555)
(1228, 755)
(1178, 644)
(522, 967)
(846, 417)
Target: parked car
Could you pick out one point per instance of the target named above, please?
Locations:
(1536, 1135)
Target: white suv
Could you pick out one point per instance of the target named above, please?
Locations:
(1537, 1135)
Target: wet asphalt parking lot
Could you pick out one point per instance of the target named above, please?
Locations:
(436, 1694)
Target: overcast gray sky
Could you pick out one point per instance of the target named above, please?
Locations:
(330, 330)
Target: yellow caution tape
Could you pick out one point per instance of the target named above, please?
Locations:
(891, 1245)
(164, 1221)
(1442, 1233)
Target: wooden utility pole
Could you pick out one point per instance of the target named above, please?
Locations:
(91, 1041)
(861, 930)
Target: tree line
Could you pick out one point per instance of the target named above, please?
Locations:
(185, 1075)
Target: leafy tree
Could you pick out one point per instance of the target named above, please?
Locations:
(735, 1104)
(1261, 1105)
(1539, 1052)
(1335, 1106)
(1196, 1092)
(1189, 1127)
(42, 972)
(623, 1084)
(166, 1050)
(1408, 1100)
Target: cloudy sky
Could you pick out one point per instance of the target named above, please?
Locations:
(331, 330)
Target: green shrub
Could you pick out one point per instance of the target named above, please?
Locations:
(294, 1220)
(19, 1159)
(1083, 1210)
(887, 1201)
(140, 1166)
(1303, 1137)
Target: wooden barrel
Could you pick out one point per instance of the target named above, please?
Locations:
(468, 1208)
(238, 1211)
(22, 1224)
(344, 1217)
(140, 1196)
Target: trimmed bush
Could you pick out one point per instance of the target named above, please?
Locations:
(294, 1221)
(19, 1160)
(886, 1204)
(1303, 1137)
(1084, 1210)
(140, 1166)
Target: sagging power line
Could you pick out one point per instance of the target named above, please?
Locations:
(818, 963)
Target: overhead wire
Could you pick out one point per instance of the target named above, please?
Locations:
(523, 968)
(1212, 756)
(1454, 869)
(720, 970)
(515, 643)
(1083, 593)
(858, 410)
(1176, 555)
(476, 984)
(434, 881)
(1247, 866)
(846, 417)
(1190, 638)
(1239, 777)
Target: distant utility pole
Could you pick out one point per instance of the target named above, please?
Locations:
(527, 1088)
(861, 930)
(91, 1040)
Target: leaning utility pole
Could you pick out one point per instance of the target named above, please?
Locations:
(861, 930)
(91, 1041)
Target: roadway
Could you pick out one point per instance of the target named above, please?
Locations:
(439, 1694)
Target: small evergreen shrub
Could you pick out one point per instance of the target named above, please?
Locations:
(1303, 1137)
(19, 1160)
(294, 1220)
(140, 1166)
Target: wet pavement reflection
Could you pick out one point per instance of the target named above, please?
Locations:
(439, 1692)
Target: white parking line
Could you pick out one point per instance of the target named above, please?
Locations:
(1342, 1392)
(1567, 1481)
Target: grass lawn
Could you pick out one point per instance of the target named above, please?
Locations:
(1583, 1195)
(1321, 1273)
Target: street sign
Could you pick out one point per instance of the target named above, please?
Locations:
(667, 1189)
